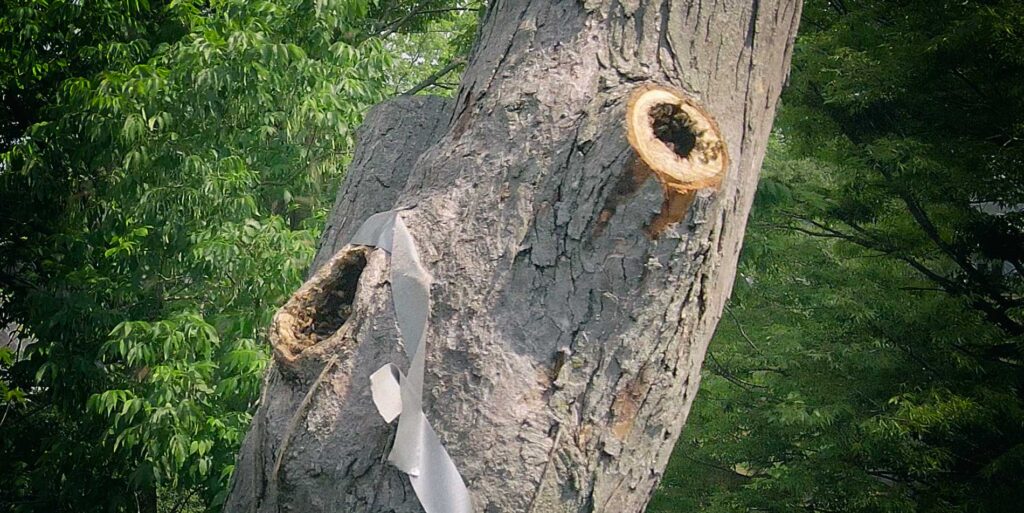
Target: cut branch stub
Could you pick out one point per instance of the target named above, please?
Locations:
(677, 139)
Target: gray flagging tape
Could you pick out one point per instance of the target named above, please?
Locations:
(417, 451)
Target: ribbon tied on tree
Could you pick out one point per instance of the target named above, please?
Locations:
(417, 450)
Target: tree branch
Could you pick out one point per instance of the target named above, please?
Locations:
(433, 78)
(995, 313)
(735, 320)
(730, 376)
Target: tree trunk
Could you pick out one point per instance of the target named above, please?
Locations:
(575, 286)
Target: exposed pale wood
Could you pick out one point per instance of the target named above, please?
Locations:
(703, 165)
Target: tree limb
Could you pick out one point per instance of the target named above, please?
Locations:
(437, 75)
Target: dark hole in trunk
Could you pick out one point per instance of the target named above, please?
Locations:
(334, 306)
(673, 127)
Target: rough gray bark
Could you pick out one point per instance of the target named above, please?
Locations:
(566, 335)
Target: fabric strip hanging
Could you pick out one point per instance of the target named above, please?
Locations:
(417, 450)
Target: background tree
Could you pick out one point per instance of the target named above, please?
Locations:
(44, 43)
(873, 361)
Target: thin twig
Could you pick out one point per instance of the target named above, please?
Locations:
(293, 424)
(715, 466)
(730, 377)
(393, 27)
(739, 326)
(433, 78)
(547, 468)
(183, 501)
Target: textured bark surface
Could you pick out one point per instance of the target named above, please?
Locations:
(570, 316)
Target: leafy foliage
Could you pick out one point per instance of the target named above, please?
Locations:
(44, 43)
(431, 58)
